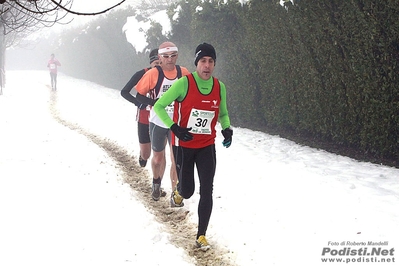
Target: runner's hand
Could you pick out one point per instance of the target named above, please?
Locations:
(228, 137)
(181, 132)
(142, 106)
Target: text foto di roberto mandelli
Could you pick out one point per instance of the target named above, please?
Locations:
(355, 243)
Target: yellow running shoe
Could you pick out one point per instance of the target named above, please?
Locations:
(176, 200)
(202, 243)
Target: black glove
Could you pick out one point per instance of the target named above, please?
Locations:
(181, 132)
(141, 106)
(144, 99)
(228, 137)
(154, 101)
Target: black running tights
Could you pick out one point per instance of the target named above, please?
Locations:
(205, 161)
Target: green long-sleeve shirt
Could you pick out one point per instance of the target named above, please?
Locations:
(179, 90)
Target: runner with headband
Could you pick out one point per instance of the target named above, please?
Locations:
(154, 83)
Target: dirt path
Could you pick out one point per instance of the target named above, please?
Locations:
(183, 232)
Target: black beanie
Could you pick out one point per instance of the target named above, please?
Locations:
(204, 49)
(153, 55)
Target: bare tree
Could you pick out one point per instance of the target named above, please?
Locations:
(19, 18)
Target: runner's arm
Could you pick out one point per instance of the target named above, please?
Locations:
(145, 85)
(176, 92)
(145, 100)
(223, 113)
(125, 92)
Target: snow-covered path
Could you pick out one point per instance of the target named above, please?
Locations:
(62, 200)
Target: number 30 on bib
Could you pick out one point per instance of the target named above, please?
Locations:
(200, 121)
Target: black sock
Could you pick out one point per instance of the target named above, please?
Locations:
(157, 181)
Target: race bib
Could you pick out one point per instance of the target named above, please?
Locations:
(52, 66)
(200, 121)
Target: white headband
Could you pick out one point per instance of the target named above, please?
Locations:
(167, 49)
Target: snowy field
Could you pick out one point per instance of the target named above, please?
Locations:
(63, 201)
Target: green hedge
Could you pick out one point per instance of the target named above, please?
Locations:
(324, 68)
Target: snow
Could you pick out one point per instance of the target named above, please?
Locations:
(63, 200)
(136, 30)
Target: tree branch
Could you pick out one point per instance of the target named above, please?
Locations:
(85, 14)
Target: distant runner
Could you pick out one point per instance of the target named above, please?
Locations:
(52, 65)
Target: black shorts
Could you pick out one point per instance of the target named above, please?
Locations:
(143, 131)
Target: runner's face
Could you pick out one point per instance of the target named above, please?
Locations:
(168, 60)
(205, 67)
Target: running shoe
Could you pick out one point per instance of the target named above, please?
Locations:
(142, 162)
(202, 243)
(156, 191)
(176, 200)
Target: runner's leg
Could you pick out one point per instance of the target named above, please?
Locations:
(144, 140)
(206, 167)
(185, 170)
(158, 143)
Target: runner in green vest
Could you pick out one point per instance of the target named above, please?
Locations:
(199, 102)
